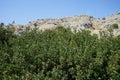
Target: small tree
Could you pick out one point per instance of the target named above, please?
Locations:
(1, 24)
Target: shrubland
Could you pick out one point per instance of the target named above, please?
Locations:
(58, 54)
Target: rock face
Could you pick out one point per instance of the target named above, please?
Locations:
(108, 21)
(75, 23)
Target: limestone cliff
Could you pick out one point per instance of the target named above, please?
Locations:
(75, 23)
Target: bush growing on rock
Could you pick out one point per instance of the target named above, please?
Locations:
(114, 26)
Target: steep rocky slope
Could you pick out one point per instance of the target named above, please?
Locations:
(82, 21)
(75, 23)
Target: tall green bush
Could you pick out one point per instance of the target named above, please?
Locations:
(60, 55)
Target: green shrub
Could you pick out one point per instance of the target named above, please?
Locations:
(60, 55)
(114, 26)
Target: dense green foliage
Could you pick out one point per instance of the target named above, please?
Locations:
(59, 55)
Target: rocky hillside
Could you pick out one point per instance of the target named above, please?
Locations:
(75, 23)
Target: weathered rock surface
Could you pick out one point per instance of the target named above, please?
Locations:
(108, 21)
(75, 23)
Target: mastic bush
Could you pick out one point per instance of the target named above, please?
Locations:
(60, 55)
(114, 26)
